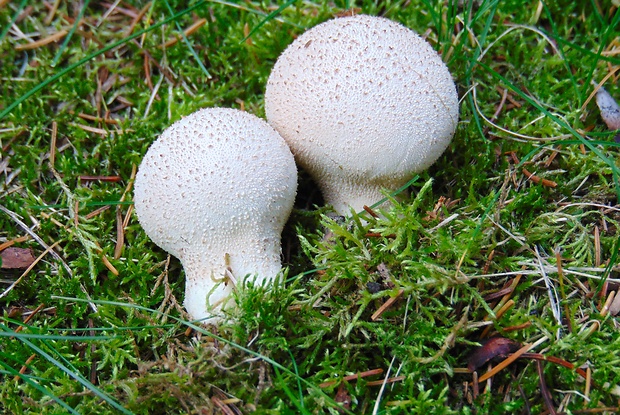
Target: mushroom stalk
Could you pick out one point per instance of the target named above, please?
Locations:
(215, 274)
(345, 194)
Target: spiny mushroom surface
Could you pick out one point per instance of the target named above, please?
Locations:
(364, 103)
(215, 190)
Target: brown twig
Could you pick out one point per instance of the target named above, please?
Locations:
(487, 264)
(383, 381)
(97, 211)
(120, 233)
(497, 294)
(108, 264)
(97, 119)
(187, 32)
(504, 93)
(42, 42)
(509, 97)
(386, 305)
(475, 385)
(379, 235)
(501, 304)
(30, 317)
(12, 242)
(164, 71)
(350, 378)
(99, 178)
(53, 143)
(499, 311)
(371, 212)
(51, 12)
(94, 130)
(146, 64)
(121, 223)
(536, 179)
(136, 19)
(607, 305)
(531, 176)
(504, 363)
(517, 327)
(544, 390)
(588, 382)
(25, 366)
(555, 360)
(551, 157)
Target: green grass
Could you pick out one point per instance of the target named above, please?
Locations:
(107, 343)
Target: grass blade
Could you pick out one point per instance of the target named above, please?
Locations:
(70, 34)
(268, 18)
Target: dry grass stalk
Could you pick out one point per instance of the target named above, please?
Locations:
(51, 12)
(187, 32)
(96, 212)
(505, 363)
(138, 17)
(108, 264)
(97, 119)
(94, 130)
(53, 142)
(386, 305)
(42, 42)
(121, 223)
(350, 378)
(24, 368)
(12, 242)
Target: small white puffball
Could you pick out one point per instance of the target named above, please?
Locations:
(364, 103)
(215, 190)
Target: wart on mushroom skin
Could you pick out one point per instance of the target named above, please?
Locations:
(364, 103)
(215, 190)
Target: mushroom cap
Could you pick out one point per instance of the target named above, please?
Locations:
(362, 97)
(215, 190)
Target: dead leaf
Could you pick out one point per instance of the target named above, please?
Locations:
(492, 348)
(16, 258)
(610, 111)
(343, 397)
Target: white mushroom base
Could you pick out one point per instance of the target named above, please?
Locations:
(209, 287)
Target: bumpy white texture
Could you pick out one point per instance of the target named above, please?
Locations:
(215, 190)
(610, 110)
(363, 102)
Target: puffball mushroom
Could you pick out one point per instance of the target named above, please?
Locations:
(215, 190)
(364, 103)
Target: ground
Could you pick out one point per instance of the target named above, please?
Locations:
(487, 287)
